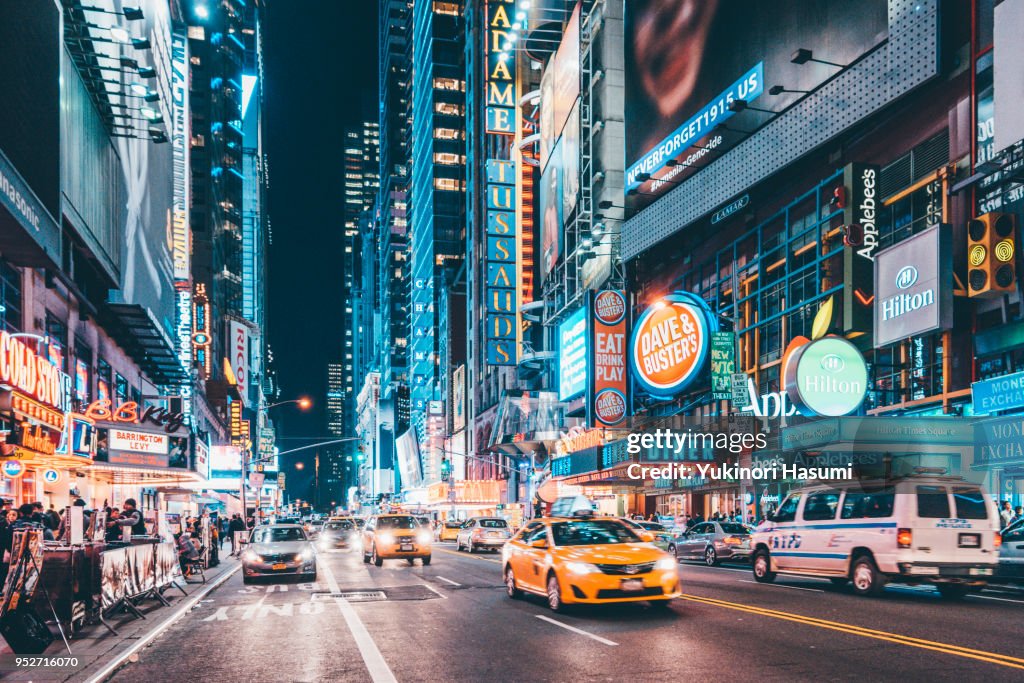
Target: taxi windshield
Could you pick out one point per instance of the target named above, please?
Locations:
(592, 532)
(397, 523)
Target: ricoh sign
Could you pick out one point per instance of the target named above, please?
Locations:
(913, 286)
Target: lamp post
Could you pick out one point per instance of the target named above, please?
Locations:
(304, 403)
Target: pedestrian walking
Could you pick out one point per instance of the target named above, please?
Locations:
(1006, 514)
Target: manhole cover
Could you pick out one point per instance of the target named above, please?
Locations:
(353, 596)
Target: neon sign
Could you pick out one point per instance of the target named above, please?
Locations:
(129, 413)
(23, 369)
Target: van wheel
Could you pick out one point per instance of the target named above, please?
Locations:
(762, 566)
(953, 591)
(867, 580)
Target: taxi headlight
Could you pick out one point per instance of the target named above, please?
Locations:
(423, 538)
(665, 563)
(580, 568)
(385, 537)
(250, 556)
(307, 554)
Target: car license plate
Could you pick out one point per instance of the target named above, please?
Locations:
(970, 540)
(980, 571)
(279, 565)
(632, 585)
(406, 546)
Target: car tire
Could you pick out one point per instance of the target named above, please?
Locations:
(762, 567)
(710, 557)
(366, 558)
(867, 580)
(554, 594)
(426, 561)
(377, 559)
(411, 561)
(511, 589)
(953, 591)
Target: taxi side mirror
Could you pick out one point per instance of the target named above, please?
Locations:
(646, 537)
(540, 544)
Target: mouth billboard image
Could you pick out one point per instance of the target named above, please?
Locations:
(684, 110)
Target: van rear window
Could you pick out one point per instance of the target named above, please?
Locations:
(871, 503)
(970, 503)
(932, 502)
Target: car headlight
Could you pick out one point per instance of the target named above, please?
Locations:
(423, 537)
(250, 556)
(665, 563)
(385, 537)
(580, 568)
(307, 554)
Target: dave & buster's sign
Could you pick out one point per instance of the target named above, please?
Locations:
(608, 390)
(669, 347)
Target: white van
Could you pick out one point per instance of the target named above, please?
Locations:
(917, 529)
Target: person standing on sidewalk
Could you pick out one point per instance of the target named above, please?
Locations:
(235, 526)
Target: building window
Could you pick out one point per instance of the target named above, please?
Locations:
(449, 108)
(121, 392)
(449, 134)
(103, 380)
(450, 184)
(450, 8)
(449, 158)
(56, 348)
(444, 83)
(10, 297)
(83, 371)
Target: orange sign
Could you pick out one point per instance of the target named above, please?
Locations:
(610, 387)
(670, 345)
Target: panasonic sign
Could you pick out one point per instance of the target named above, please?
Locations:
(913, 286)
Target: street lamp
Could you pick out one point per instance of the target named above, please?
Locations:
(304, 403)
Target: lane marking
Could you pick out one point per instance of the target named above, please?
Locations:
(945, 648)
(448, 581)
(782, 585)
(990, 597)
(106, 671)
(378, 669)
(434, 590)
(576, 630)
(472, 557)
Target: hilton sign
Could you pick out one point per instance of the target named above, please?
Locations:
(913, 285)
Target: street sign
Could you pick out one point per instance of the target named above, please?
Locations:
(280, 480)
(740, 395)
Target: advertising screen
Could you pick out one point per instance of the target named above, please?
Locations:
(572, 356)
(409, 465)
(551, 217)
(677, 98)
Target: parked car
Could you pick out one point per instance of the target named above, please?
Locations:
(278, 549)
(920, 529)
(1011, 555)
(483, 532)
(713, 542)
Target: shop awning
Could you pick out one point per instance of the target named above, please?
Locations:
(142, 476)
(136, 331)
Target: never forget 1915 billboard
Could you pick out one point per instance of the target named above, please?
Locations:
(680, 105)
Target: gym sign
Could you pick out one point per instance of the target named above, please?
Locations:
(827, 377)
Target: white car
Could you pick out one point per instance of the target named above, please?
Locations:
(483, 532)
(917, 529)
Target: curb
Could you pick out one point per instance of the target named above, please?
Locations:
(193, 600)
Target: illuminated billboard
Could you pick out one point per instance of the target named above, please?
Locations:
(572, 356)
(684, 110)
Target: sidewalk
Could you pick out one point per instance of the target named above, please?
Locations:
(95, 646)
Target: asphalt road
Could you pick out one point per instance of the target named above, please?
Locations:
(451, 621)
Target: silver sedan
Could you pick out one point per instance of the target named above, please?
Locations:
(279, 549)
(713, 542)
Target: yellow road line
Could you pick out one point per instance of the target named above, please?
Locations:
(460, 554)
(946, 648)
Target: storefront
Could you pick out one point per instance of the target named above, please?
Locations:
(999, 455)
(44, 447)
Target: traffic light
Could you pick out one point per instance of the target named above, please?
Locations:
(446, 469)
(991, 254)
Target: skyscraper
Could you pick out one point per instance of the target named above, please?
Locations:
(437, 228)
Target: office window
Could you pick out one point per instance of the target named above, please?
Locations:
(450, 184)
(449, 134)
(449, 158)
(445, 83)
(10, 297)
(103, 380)
(121, 391)
(449, 108)
(450, 8)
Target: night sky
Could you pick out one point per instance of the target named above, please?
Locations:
(321, 75)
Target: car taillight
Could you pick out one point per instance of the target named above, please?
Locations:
(904, 538)
(997, 541)
(733, 540)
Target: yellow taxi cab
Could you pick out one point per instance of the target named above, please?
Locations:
(449, 530)
(588, 560)
(395, 536)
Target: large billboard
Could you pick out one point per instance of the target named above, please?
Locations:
(677, 99)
